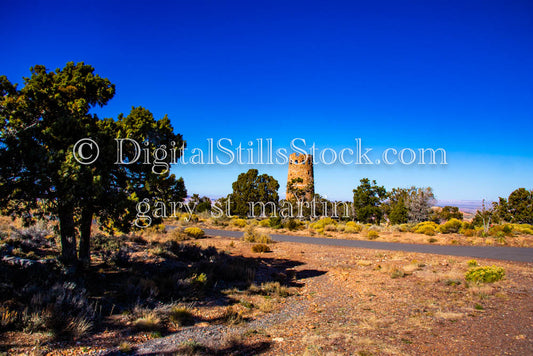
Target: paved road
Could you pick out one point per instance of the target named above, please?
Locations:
(520, 254)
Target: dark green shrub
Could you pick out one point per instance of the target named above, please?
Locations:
(275, 222)
(451, 226)
(292, 224)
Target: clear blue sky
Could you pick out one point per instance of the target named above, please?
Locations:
(450, 74)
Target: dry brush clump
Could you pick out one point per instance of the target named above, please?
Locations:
(251, 234)
(261, 248)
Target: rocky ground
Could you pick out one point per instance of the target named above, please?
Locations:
(344, 301)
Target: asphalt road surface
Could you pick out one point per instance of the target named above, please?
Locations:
(520, 254)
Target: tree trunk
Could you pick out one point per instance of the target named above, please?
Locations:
(68, 235)
(85, 235)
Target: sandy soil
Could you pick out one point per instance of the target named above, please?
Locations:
(349, 302)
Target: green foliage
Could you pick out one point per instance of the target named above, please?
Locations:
(194, 232)
(451, 226)
(260, 248)
(520, 206)
(501, 230)
(250, 187)
(399, 213)
(523, 229)
(367, 198)
(517, 208)
(299, 191)
(199, 279)
(264, 223)
(292, 224)
(275, 222)
(202, 204)
(485, 274)
(43, 121)
(449, 212)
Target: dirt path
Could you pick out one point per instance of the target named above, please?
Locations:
(519, 254)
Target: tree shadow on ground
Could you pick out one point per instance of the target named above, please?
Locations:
(143, 275)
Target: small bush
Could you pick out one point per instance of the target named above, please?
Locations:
(292, 224)
(432, 240)
(330, 227)
(8, 318)
(472, 263)
(274, 288)
(148, 322)
(451, 226)
(275, 222)
(252, 235)
(501, 230)
(426, 227)
(200, 279)
(264, 223)
(194, 232)
(101, 242)
(405, 227)
(397, 273)
(427, 230)
(523, 229)
(181, 316)
(353, 227)
(231, 317)
(125, 347)
(260, 248)
(372, 234)
(486, 274)
(238, 222)
(469, 232)
(321, 224)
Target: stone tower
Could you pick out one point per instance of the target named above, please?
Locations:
(301, 166)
